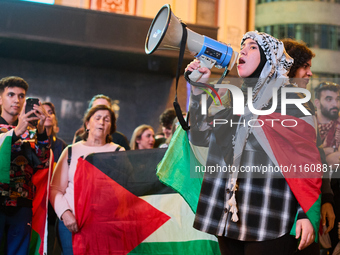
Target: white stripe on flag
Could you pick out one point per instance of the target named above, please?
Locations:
(180, 227)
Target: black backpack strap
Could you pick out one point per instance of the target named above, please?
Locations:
(69, 155)
(118, 148)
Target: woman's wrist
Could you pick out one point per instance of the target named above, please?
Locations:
(61, 217)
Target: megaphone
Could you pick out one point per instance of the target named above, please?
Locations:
(165, 33)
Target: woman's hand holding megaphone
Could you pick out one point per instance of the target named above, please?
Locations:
(204, 74)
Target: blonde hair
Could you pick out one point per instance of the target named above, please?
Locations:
(137, 134)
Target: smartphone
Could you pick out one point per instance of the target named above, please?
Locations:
(29, 106)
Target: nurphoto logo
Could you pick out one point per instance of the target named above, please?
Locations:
(238, 100)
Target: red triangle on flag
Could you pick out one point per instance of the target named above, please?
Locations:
(39, 210)
(111, 219)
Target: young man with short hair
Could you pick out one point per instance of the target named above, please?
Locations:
(20, 159)
(327, 102)
(165, 120)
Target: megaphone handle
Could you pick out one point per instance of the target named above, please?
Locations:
(204, 62)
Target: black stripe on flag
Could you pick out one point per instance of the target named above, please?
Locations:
(134, 170)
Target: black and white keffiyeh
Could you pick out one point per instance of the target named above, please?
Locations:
(273, 76)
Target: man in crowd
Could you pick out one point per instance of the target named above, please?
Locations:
(327, 104)
(299, 74)
(165, 120)
(327, 96)
(19, 161)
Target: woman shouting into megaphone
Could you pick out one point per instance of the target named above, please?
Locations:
(259, 199)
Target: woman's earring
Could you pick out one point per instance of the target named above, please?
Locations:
(87, 130)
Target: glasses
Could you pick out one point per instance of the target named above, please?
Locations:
(326, 83)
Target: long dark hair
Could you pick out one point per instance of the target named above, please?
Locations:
(51, 105)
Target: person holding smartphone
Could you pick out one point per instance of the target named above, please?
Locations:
(16, 187)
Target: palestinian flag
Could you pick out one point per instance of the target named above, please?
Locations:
(287, 147)
(5, 154)
(122, 208)
(290, 148)
(177, 168)
(41, 180)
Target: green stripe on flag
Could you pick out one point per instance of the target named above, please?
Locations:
(35, 243)
(313, 215)
(170, 248)
(5, 155)
(176, 165)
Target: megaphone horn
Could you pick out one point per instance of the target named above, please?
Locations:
(165, 33)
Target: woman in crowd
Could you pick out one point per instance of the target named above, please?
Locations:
(117, 137)
(57, 144)
(249, 214)
(99, 124)
(143, 137)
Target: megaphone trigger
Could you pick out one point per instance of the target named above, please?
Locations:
(204, 62)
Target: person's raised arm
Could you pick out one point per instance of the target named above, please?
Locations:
(195, 65)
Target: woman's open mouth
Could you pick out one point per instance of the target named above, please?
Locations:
(241, 61)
